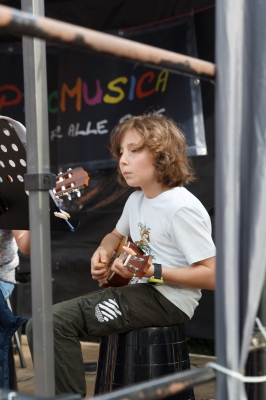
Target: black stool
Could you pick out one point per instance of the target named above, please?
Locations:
(140, 355)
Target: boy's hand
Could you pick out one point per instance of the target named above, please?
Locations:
(118, 266)
(99, 261)
(150, 271)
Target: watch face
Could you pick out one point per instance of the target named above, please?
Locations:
(158, 271)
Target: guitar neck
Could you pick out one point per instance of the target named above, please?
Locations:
(113, 257)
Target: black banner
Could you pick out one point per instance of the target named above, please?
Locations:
(88, 94)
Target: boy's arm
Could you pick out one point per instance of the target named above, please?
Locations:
(23, 240)
(103, 254)
(200, 275)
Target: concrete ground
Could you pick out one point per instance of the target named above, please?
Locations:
(25, 376)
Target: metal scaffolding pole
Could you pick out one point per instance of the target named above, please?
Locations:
(38, 166)
(19, 23)
(25, 23)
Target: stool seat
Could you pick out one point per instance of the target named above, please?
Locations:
(140, 355)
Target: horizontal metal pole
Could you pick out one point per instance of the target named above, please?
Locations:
(12, 395)
(22, 23)
(161, 387)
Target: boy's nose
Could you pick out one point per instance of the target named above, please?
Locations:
(123, 159)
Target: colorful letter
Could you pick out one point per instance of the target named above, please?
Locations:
(97, 98)
(13, 102)
(112, 86)
(132, 87)
(50, 98)
(162, 79)
(76, 91)
(140, 93)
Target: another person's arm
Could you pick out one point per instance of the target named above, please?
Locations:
(23, 240)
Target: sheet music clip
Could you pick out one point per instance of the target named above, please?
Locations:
(14, 200)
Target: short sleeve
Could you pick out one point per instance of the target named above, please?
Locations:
(191, 234)
(123, 223)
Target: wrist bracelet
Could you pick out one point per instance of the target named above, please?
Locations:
(157, 277)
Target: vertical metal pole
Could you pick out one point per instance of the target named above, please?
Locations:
(35, 90)
(256, 363)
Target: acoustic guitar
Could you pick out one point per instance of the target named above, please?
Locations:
(137, 264)
(71, 181)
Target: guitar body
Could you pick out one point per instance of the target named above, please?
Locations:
(138, 264)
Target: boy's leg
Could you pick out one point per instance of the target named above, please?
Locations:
(69, 329)
(113, 310)
(118, 310)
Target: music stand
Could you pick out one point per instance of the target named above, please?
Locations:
(14, 200)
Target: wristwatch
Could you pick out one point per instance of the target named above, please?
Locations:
(157, 277)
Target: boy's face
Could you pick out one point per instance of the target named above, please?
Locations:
(137, 164)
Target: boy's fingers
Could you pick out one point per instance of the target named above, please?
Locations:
(129, 251)
(102, 256)
(100, 265)
(98, 274)
(103, 280)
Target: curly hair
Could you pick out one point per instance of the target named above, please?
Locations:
(166, 143)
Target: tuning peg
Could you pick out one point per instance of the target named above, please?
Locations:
(69, 169)
(78, 193)
(69, 197)
(63, 188)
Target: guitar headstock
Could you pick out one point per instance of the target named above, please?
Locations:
(138, 264)
(71, 181)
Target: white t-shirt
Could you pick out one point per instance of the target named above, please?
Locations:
(175, 229)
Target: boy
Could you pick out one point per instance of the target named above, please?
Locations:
(168, 222)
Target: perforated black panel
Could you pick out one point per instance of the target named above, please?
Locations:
(13, 166)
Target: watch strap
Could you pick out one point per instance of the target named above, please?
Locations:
(157, 277)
